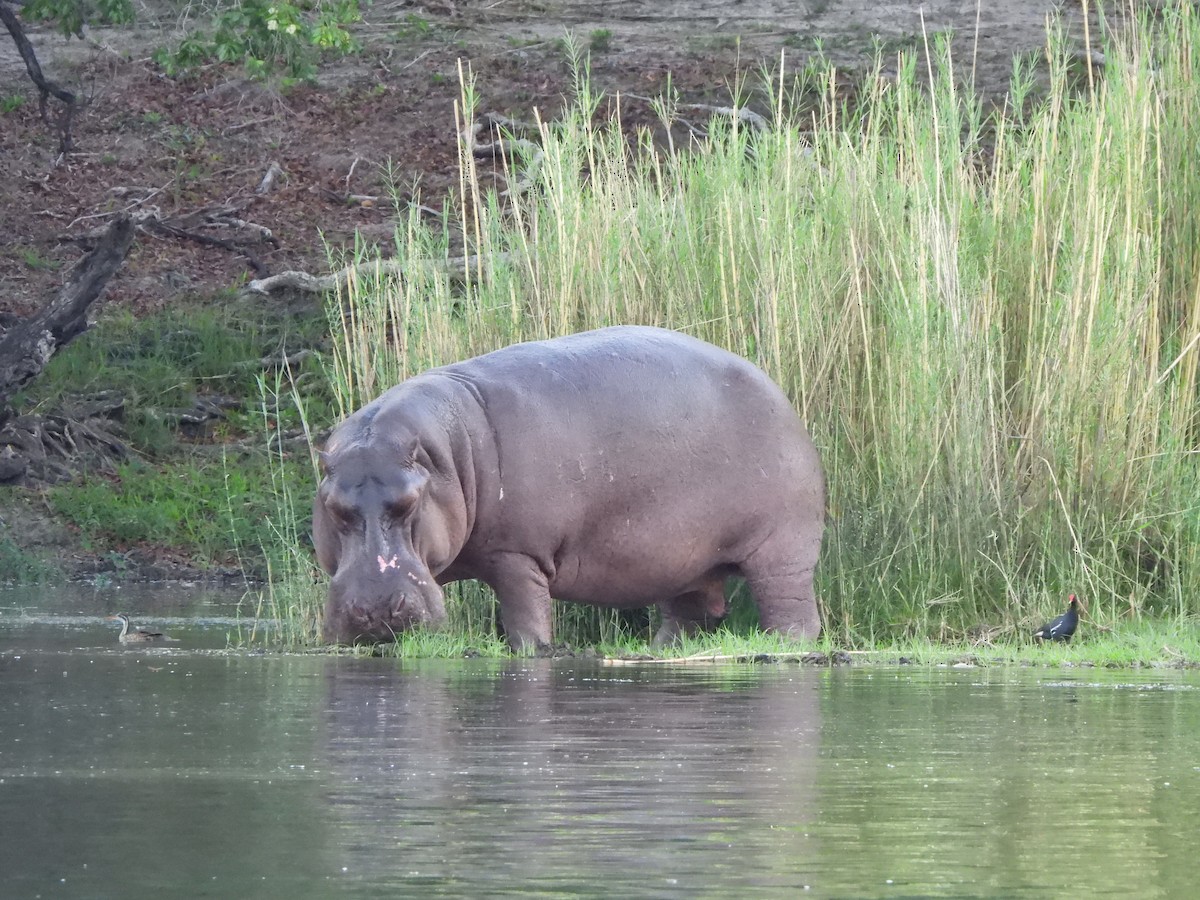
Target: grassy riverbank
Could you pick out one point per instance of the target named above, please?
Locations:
(209, 445)
(989, 318)
(1147, 644)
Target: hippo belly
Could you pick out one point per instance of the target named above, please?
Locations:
(622, 467)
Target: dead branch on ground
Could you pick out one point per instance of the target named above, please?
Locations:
(740, 113)
(47, 447)
(194, 226)
(456, 268)
(28, 346)
(505, 146)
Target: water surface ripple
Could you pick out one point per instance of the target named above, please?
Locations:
(173, 772)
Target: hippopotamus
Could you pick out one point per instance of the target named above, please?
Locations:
(623, 467)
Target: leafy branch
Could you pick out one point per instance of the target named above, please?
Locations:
(268, 35)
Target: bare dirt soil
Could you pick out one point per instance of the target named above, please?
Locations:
(194, 150)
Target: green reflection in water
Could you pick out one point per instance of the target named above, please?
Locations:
(152, 773)
(1012, 782)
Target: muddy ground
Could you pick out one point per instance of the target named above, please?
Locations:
(187, 147)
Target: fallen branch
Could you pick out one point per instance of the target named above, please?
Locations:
(29, 345)
(811, 658)
(47, 448)
(175, 231)
(457, 268)
(122, 192)
(741, 113)
(273, 172)
(151, 221)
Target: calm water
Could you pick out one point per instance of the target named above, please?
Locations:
(179, 772)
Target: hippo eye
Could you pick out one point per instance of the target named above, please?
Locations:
(346, 516)
(401, 506)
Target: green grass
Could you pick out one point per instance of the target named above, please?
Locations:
(210, 509)
(600, 40)
(19, 566)
(446, 645)
(1156, 643)
(208, 498)
(161, 363)
(1160, 642)
(1168, 643)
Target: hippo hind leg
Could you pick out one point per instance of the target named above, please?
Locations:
(781, 578)
(690, 613)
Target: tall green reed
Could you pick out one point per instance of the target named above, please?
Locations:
(988, 316)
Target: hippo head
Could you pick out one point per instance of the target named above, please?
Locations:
(381, 535)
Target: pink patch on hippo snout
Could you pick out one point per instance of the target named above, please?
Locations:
(394, 563)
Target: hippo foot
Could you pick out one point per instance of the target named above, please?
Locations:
(672, 630)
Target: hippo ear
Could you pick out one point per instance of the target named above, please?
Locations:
(323, 462)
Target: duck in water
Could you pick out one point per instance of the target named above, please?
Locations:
(137, 636)
(1064, 626)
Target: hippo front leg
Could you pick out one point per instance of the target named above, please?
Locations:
(525, 605)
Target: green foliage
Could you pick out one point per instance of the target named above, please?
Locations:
(11, 103)
(34, 260)
(423, 644)
(600, 40)
(205, 500)
(413, 26)
(72, 15)
(20, 567)
(210, 507)
(1170, 641)
(162, 363)
(269, 36)
(724, 642)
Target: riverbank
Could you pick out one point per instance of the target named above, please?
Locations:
(197, 444)
(1129, 645)
(984, 313)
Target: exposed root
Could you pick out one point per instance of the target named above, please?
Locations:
(50, 448)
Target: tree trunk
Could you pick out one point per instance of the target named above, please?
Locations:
(45, 86)
(28, 346)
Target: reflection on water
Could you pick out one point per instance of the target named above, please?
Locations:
(558, 777)
(74, 616)
(173, 772)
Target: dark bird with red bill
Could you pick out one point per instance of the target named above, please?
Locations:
(1064, 626)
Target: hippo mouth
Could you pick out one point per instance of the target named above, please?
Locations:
(369, 627)
(377, 623)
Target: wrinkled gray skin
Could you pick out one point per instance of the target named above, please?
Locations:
(623, 467)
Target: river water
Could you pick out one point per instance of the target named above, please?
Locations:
(185, 771)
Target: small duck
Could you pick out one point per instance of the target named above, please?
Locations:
(136, 637)
(1064, 626)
